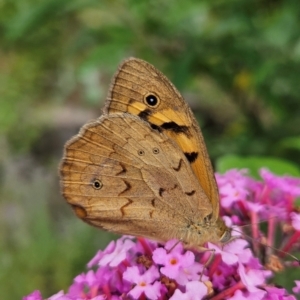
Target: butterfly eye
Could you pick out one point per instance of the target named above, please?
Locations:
(141, 152)
(226, 236)
(151, 100)
(155, 150)
(97, 184)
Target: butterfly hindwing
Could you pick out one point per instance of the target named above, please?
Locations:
(123, 176)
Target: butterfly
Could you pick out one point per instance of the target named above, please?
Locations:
(142, 168)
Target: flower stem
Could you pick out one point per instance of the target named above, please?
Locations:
(230, 291)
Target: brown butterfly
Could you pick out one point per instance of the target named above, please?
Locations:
(142, 168)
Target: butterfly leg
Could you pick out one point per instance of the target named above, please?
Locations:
(209, 260)
(175, 244)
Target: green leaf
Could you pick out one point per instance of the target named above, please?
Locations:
(291, 143)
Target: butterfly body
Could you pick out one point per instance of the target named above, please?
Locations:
(142, 168)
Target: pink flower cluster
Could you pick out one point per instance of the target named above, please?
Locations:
(143, 269)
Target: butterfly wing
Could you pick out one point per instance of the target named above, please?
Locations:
(121, 175)
(140, 89)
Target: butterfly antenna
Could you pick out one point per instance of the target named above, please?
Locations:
(278, 250)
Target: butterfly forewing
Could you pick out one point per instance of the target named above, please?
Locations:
(140, 89)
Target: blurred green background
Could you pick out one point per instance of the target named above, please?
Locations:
(236, 62)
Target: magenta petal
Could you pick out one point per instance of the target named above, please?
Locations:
(153, 291)
(36, 295)
(252, 278)
(296, 289)
(132, 274)
(195, 290)
(227, 257)
(187, 259)
(136, 292)
(295, 220)
(118, 255)
(159, 256)
(151, 274)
